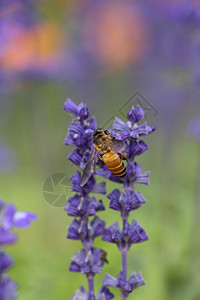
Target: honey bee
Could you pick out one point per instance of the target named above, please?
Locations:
(103, 256)
(111, 154)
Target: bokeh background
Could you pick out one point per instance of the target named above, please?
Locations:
(110, 55)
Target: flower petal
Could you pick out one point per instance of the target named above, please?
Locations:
(104, 294)
(5, 261)
(120, 125)
(83, 111)
(8, 288)
(75, 157)
(80, 294)
(136, 114)
(110, 281)
(24, 219)
(70, 106)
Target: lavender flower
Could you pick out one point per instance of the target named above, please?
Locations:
(86, 231)
(128, 199)
(88, 261)
(8, 288)
(82, 294)
(80, 133)
(131, 130)
(133, 233)
(9, 219)
(125, 202)
(126, 287)
(89, 187)
(78, 206)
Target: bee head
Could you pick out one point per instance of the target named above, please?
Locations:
(98, 131)
(101, 132)
(98, 135)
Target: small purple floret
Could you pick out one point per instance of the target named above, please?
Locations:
(134, 281)
(131, 130)
(8, 288)
(81, 111)
(134, 233)
(86, 231)
(135, 114)
(87, 262)
(10, 218)
(104, 294)
(125, 201)
(5, 261)
(82, 294)
(78, 206)
(89, 187)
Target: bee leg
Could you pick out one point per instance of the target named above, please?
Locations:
(123, 155)
(100, 160)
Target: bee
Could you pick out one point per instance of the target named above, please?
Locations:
(111, 154)
(103, 256)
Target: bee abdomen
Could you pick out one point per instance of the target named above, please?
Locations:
(115, 164)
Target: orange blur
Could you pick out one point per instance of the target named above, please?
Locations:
(116, 33)
(31, 47)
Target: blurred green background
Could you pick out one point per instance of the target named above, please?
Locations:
(111, 67)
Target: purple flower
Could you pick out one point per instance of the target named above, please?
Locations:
(86, 231)
(78, 206)
(134, 174)
(89, 187)
(81, 111)
(125, 201)
(87, 262)
(82, 294)
(135, 148)
(126, 286)
(7, 237)
(79, 136)
(75, 157)
(24, 219)
(104, 294)
(81, 205)
(90, 260)
(133, 233)
(80, 133)
(136, 114)
(131, 130)
(81, 155)
(8, 288)
(5, 261)
(10, 218)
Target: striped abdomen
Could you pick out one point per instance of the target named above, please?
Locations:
(114, 164)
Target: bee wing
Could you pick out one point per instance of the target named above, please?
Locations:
(89, 169)
(115, 145)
